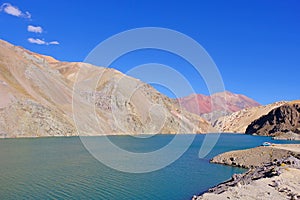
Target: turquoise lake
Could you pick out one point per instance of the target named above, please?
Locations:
(61, 168)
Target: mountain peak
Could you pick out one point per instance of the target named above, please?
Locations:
(223, 101)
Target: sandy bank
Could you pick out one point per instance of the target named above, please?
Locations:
(256, 157)
(287, 136)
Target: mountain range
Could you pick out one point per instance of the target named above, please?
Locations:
(41, 96)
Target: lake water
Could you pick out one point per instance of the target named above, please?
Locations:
(61, 168)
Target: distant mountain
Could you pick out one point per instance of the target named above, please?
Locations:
(202, 104)
(238, 122)
(36, 100)
(279, 121)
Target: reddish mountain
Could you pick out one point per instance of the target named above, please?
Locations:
(223, 101)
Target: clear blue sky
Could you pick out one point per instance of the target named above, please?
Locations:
(255, 43)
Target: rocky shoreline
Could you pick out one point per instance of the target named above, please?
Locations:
(274, 172)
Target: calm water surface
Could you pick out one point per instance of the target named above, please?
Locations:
(61, 168)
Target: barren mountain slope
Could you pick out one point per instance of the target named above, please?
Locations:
(36, 100)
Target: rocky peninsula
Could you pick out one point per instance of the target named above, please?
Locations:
(274, 172)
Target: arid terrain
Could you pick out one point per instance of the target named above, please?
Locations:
(41, 96)
(37, 100)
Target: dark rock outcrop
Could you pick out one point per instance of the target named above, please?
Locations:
(238, 122)
(283, 119)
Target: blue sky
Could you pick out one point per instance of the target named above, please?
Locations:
(255, 44)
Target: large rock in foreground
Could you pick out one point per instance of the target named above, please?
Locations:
(279, 180)
(274, 174)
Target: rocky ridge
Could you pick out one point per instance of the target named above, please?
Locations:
(279, 122)
(238, 122)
